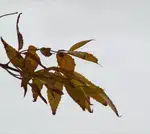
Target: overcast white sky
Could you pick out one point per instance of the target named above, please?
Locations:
(121, 29)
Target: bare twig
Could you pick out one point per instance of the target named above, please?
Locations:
(8, 14)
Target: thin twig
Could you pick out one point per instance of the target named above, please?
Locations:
(8, 14)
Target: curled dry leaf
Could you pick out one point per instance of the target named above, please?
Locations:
(84, 55)
(19, 35)
(65, 62)
(46, 51)
(79, 44)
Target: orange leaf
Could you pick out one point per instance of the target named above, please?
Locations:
(65, 62)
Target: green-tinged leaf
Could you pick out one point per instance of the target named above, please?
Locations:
(65, 62)
(19, 35)
(39, 84)
(84, 55)
(46, 51)
(79, 44)
(14, 56)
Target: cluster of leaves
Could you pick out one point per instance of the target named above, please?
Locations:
(55, 78)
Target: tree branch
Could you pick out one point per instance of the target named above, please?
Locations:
(8, 14)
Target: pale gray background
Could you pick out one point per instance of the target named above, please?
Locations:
(121, 29)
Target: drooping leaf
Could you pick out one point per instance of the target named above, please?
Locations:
(19, 35)
(77, 94)
(84, 55)
(39, 84)
(110, 103)
(14, 56)
(79, 44)
(54, 93)
(96, 92)
(91, 89)
(46, 51)
(53, 97)
(30, 64)
(38, 92)
(65, 62)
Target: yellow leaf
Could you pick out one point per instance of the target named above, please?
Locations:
(54, 88)
(14, 56)
(96, 92)
(78, 96)
(65, 62)
(30, 64)
(39, 84)
(32, 59)
(91, 89)
(79, 44)
(19, 35)
(84, 55)
(46, 51)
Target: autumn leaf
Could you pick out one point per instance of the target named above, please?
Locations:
(78, 96)
(37, 91)
(96, 92)
(65, 62)
(30, 64)
(84, 55)
(79, 44)
(110, 103)
(14, 56)
(46, 51)
(31, 59)
(53, 96)
(19, 35)
(39, 84)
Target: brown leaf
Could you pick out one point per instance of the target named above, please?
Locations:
(19, 35)
(79, 44)
(14, 56)
(84, 55)
(65, 62)
(46, 51)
